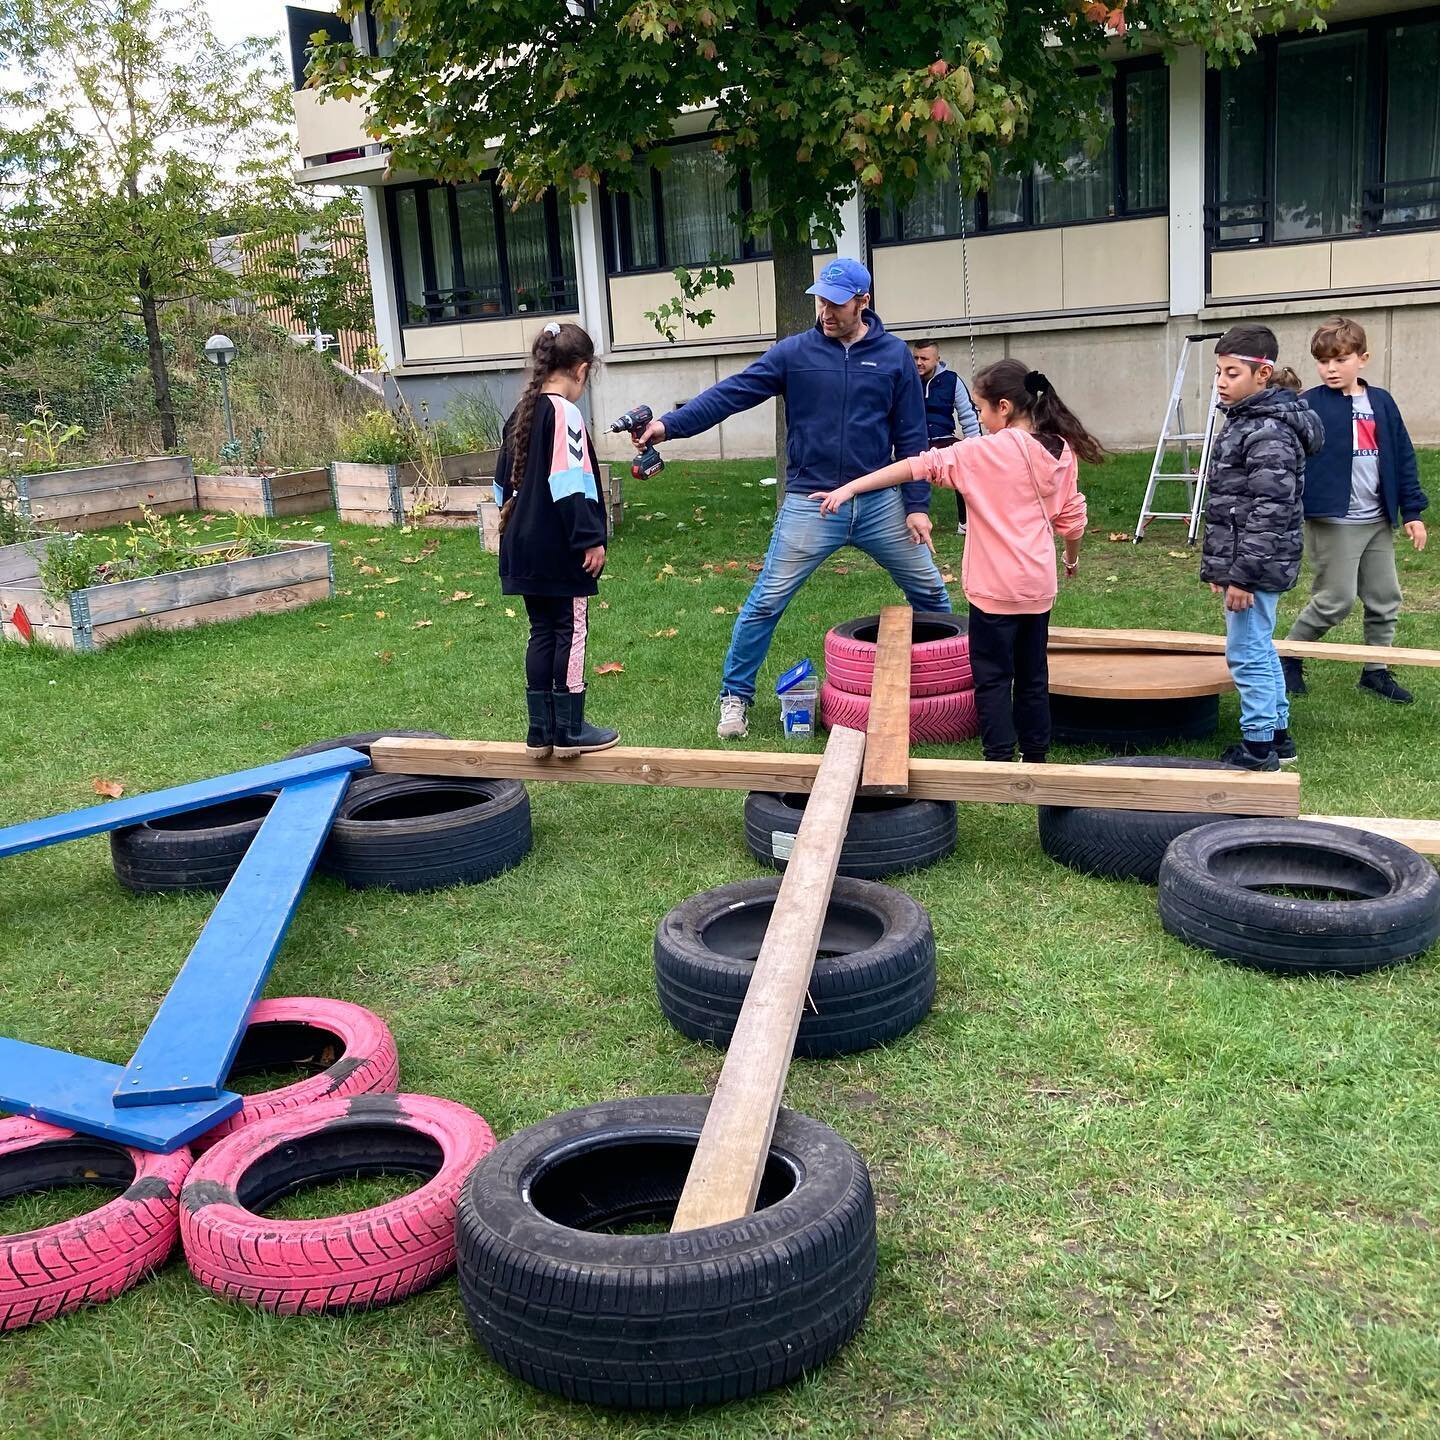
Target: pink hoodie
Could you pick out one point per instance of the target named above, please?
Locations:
(1019, 497)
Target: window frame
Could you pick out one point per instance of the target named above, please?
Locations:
(616, 206)
(1372, 147)
(468, 311)
(1120, 125)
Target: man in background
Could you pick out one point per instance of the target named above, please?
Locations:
(949, 410)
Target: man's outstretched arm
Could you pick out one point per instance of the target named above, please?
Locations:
(758, 381)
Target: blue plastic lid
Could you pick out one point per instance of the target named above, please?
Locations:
(793, 676)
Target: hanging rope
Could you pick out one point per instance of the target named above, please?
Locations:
(965, 276)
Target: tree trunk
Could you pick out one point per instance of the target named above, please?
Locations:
(159, 371)
(794, 312)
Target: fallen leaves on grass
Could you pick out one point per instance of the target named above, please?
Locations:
(719, 610)
(664, 634)
(1116, 536)
(459, 595)
(113, 788)
(839, 569)
(379, 614)
(754, 567)
(422, 624)
(610, 667)
(509, 613)
(1178, 554)
(604, 604)
(392, 580)
(384, 656)
(664, 571)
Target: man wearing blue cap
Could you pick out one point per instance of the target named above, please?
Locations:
(853, 403)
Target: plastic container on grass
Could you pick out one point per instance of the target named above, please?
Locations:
(799, 693)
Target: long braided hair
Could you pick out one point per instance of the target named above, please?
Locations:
(556, 347)
(1032, 395)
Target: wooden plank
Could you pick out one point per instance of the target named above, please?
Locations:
(214, 612)
(310, 502)
(84, 504)
(290, 566)
(1106, 787)
(177, 800)
(129, 515)
(887, 749)
(364, 497)
(1422, 836)
(1138, 675)
(188, 1049)
(376, 519)
(20, 564)
(79, 1093)
(357, 472)
(1194, 643)
(49, 622)
(299, 482)
(105, 477)
(729, 1161)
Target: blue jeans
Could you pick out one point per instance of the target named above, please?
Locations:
(1255, 667)
(802, 541)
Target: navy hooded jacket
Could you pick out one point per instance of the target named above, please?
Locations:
(1327, 475)
(847, 412)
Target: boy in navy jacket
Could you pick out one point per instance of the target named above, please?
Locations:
(1362, 484)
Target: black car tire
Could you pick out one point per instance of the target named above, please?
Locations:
(1216, 884)
(873, 981)
(1132, 725)
(886, 835)
(563, 1298)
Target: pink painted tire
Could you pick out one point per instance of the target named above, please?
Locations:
(939, 655)
(350, 1049)
(934, 719)
(52, 1271)
(343, 1262)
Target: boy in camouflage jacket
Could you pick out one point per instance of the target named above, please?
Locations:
(1254, 531)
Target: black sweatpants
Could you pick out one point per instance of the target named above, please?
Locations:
(1008, 655)
(555, 657)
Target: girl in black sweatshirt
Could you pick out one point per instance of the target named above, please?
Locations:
(552, 538)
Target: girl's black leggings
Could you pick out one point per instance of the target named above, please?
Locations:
(1010, 661)
(555, 657)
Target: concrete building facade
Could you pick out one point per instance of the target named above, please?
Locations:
(1304, 182)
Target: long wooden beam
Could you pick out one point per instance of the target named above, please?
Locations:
(724, 1177)
(1106, 787)
(1422, 836)
(887, 743)
(1193, 643)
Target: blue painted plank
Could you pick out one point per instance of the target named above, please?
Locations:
(97, 819)
(187, 1051)
(77, 1092)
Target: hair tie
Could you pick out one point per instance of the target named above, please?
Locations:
(1035, 383)
(553, 328)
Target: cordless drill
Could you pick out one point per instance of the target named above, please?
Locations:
(648, 461)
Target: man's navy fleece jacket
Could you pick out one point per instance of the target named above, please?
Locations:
(847, 412)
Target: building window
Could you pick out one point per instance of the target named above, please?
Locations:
(1126, 175)
(464, 255)
(1323, 137)
(684, 211)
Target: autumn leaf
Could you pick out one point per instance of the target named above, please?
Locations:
(604, 604)
(947, 577)
(732, 564)
(368, 570)
(719, 610)
(754, 567)
(664, 634)
(461, 595)
(509, 613)
(113, 788)
(409, 559)
(1178, 554)
(379, 614)
(422, 624)
(384, 656)
(1117, 535)
(840, 569)
(664, 571)
(392, 580)
(1111, 579)
(610, 667)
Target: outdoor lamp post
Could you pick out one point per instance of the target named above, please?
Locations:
(220, 350)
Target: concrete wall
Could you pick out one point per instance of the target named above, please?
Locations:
(499, 339)
(1374, 262)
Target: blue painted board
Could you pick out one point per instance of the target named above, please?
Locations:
(97, 819)
(187, 1051)
(77, 1092)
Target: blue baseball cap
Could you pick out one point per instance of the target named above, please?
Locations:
(841, 280)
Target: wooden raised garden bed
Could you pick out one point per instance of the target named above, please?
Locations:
(296, 574)
(610, 486)
(93, 496)
(291, 492)
(388, 494)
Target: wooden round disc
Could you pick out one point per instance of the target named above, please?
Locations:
(1137, 675)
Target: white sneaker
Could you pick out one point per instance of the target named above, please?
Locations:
(733, 723)
(960, 529)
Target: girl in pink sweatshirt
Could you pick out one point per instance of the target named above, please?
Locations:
(1019, 484)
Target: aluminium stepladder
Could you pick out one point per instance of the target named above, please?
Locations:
(1172, 434)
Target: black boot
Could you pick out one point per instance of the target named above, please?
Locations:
(1384, 684)
(540, 738)
(572, 735)
(1294, 675)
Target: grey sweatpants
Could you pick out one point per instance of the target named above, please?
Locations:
(1350, 560)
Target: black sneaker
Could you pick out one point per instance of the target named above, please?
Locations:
(1384, 684)
(1285, 750)
(1248, 755)
(1294, 675)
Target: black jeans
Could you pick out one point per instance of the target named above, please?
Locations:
(1008, 655)
(555, 657)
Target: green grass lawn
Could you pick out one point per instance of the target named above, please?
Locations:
(1125, 1189)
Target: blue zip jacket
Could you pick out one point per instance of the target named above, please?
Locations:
(1327, 475)
(946, 397)
(848, 412)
